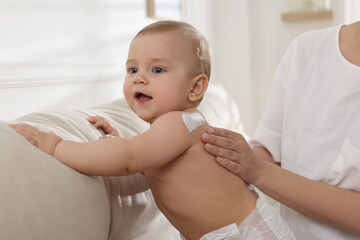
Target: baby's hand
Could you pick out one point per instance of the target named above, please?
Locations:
(44, 141)
(104, 124)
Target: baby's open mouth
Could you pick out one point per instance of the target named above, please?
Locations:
(142, 97)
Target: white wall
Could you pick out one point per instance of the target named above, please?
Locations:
(352, 11)
(225, 24)
(248, 39)
(270, 37)
(232, 53)
(68, 53)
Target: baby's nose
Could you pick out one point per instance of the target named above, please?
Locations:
(140, 80)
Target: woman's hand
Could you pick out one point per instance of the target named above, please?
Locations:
(102, 123)
(46, 142)
(233, 152)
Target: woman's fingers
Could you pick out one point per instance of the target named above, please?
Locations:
(245, 168)
(232, 166)
(222, 152)
(218, 141)
(223, 138)
(222, 132)
(224, 143)
(232, 152)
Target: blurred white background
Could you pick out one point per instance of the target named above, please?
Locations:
(79, 47)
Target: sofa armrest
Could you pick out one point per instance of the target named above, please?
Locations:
(41, 198)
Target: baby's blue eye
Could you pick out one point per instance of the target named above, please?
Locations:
(157, 70)
(133, 70)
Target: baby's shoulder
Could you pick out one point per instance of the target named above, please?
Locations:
(190, 120)
(193, 120)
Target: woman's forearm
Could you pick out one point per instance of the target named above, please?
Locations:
(319, 201)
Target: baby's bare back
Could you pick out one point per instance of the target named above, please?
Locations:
(197, 195)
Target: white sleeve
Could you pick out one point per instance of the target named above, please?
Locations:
(269, 131)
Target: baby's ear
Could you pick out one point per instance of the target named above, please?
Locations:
(199, 85)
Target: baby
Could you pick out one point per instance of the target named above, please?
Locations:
(168, 70)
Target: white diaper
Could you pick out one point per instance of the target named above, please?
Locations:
(229, 232)
(264, 222)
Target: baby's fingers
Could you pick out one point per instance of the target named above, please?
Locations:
(108, 136)
(24, 128)
(94, 119)
(99, 122)
(27, 131)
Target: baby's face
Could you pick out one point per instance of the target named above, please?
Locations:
(159, 73)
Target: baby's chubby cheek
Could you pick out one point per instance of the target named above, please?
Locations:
(127, 93)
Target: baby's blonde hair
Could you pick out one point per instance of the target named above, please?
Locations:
(201, 46)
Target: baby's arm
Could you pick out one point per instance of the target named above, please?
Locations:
(166, 139)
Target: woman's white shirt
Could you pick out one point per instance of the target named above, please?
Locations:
(312, 121)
